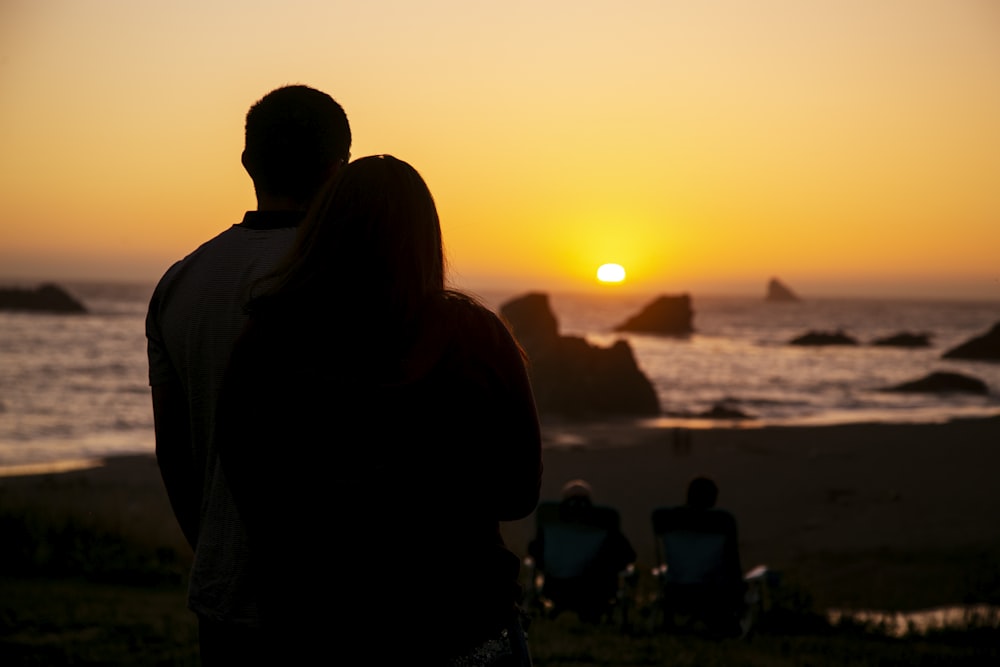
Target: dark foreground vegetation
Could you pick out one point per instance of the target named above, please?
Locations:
(46, 621)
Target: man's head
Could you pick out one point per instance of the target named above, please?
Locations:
(296, 137)
(702, 493)
(576, 489)
(577, 500)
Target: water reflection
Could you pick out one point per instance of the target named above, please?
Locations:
(899, 624)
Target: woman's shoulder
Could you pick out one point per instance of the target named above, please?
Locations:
(469, 314)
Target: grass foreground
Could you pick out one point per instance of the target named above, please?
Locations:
(75, 621)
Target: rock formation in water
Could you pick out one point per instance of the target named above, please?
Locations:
(904, 339)
(943, 382)
(981, 348)
(667, 315)
(823, 338)
(569, 376)
(721, 410)
(778, 291)
(47, 298)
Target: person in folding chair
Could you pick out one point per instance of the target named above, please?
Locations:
(581, 560)
(702, 586)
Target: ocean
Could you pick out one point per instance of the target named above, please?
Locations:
(75, 387)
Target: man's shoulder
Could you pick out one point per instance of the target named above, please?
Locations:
(216, 276)
(232, 256)
(206, 248)
(221, 242)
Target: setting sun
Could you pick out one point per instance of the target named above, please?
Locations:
(611, 273)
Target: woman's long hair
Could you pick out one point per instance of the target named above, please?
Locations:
(370, 247)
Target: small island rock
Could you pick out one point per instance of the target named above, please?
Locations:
(943, 382)
(904, 339)
(720, 410)
(47, 298)
(778, 291)
(981, 348)
(667, 315)
(823, 338)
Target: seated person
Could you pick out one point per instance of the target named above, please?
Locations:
(581, 552)
(698, 550)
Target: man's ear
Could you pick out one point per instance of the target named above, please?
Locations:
(243, 160)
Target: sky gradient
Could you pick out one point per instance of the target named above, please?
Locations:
(848, 147)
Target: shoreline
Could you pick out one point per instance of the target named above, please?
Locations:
(559, 433)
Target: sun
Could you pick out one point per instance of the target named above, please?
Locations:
(610, 273)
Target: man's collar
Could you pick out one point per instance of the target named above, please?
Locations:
(272, 219)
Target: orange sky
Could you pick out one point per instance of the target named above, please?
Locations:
(849, 147)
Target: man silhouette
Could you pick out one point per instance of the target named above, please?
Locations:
(699, 543)
(296, 139)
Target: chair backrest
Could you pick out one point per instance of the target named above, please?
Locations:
(697, 546)
(573, 544)
(571, 549)
(692, 557)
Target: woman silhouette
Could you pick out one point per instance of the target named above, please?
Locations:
(376, 428)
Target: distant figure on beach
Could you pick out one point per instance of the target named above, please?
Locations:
(698, 544)
(376, 427)
(296, 139)
(581, 553)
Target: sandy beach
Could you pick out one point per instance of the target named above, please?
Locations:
(862, 515)
(875, 515)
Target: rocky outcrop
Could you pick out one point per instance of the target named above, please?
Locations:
(721, 410)
(823, 338)
(980, 348)
(778, 291)
(47, 298)
(667, 315)
(943, 382)
(531, 319)
(904, 339)
(569, 376)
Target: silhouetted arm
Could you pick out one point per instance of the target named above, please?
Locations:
(175, 457)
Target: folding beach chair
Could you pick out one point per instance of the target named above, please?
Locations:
(701, 585)
(575, 565)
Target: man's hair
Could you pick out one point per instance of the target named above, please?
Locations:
(702, 493)
(294, 135)
(576, 488)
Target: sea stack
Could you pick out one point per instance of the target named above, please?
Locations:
(571, 377)
(778, 291)
(666, 316)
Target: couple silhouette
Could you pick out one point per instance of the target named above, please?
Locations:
(336, 449)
